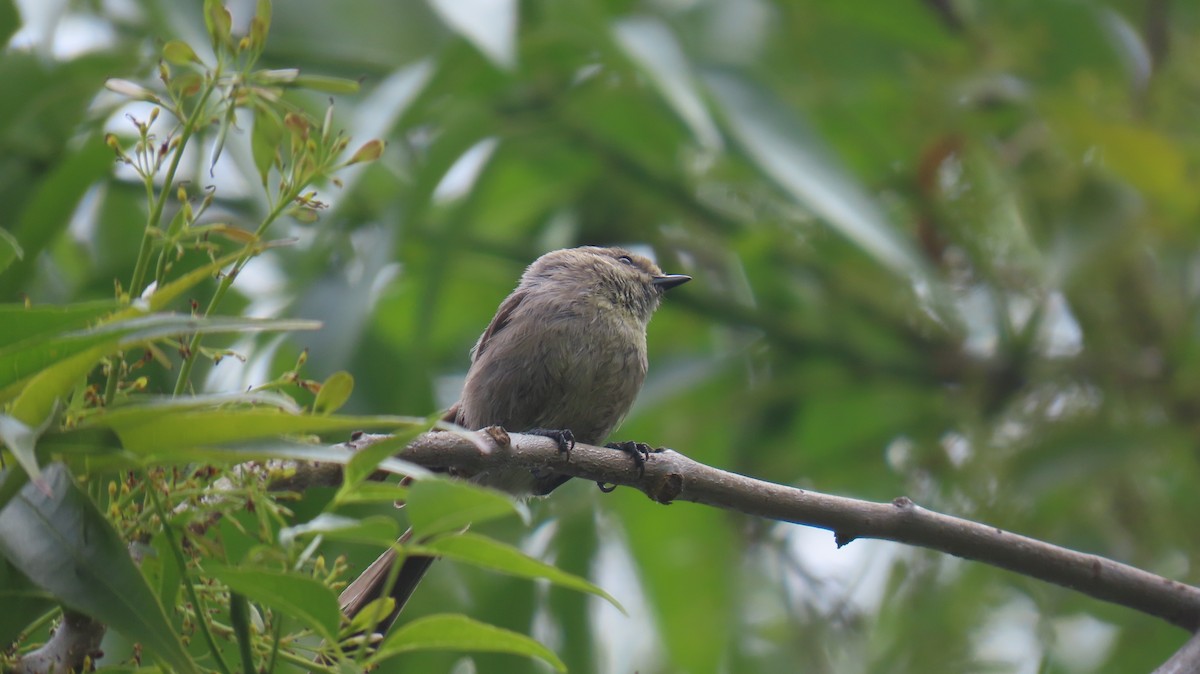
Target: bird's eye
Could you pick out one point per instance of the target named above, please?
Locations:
(625, 259)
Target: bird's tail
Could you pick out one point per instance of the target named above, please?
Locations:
(372, 583)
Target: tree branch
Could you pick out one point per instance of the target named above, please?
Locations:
(1186, 660)
(670, 476)
(76, 639)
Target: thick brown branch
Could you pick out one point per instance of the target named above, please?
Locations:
(670, 476)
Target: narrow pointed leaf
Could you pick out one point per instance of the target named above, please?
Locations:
(65, 545)
(491, 554)
(450, 632)
(439, 506)
(305, 599)
(374, 530)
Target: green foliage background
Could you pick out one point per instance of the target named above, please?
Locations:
(941, 249)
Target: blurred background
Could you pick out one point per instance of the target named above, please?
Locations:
(942, 248)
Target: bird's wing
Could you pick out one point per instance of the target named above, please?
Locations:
(499, 321)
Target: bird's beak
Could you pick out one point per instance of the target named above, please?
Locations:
(668, 281)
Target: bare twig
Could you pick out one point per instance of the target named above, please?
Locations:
(670, 476)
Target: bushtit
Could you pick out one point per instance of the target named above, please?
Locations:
(565, 355)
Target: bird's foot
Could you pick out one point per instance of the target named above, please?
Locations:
(563, 437)
(640, 451)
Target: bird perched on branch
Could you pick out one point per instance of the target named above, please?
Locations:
(564, 356)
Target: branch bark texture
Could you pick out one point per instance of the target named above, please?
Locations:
(669, 476)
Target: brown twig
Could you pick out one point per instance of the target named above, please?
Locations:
(670, 476)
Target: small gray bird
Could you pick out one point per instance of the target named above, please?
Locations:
(564, 356)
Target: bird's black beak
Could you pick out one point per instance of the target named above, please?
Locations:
(668, 281)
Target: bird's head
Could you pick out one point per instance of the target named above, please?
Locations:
(622, 278)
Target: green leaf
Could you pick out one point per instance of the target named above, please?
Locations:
(450, 632)
(147, 430)
(784, 151)
(438, 506)
(265, 138)
(41, 394)
(372, 492)
(651, 44)
(218, 22)
(331, 85)
(491, 554)
(21, 441)
(375, 530)
(48, 211)
(10, 21)
(10, 249)
(33, 410)
(179, 53)
(23, 602)
(104, 451)
(27, 357)
(334, 393)
(260, 25)
(22, 322)
(300, 597)
(65, 545)
(367, 458)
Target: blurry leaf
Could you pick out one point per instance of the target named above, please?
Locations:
(48, 210)
(911, 25)
(652, 45)
(260, 25)
(332, 85)
(367, 458)
(10, 21)
(334, 393)
(219, 23)
(460, 633)
(131, 90)
(164, 295)
(264, 140)
(10, 249)
(18, 361)
(305, 599)
(41, 394)
(1150, 161)
(21, 322)
(491, 554)
(370, 151)
(170, 576)
(438, 506)
(33, 410)
(368, 617)
(490, 25)
(62, 543)
(23, 602)
(179, 53)
(149, 430)
(372, 492)
(375, 530)
(104, 450)
(21, 442)
(773, 138)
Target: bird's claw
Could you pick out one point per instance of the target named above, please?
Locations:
(563, 437)
(640, 451)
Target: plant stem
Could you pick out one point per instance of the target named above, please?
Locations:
(189, 127)
(193, 347)
(188, 585)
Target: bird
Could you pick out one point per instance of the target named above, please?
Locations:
(564, 356)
